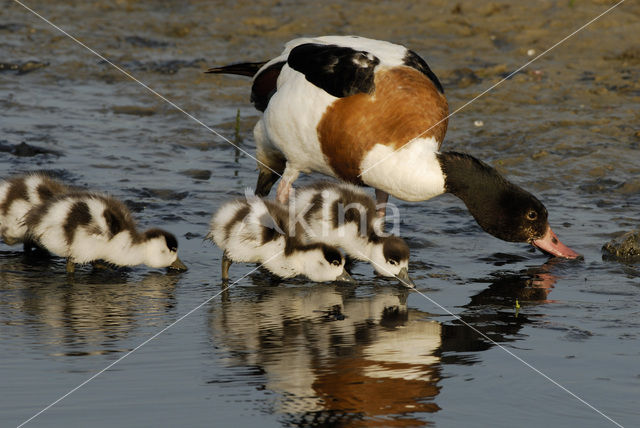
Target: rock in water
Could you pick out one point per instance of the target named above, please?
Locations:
(623, 248)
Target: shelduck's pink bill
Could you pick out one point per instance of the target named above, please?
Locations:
(550, 244)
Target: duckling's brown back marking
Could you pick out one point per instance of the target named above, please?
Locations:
(405, 104)
(78, 215)
(49, 188)
(276, 225)
(346, 208)
(240, 214)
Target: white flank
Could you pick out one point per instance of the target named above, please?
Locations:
(413, 173)
(291, 119)
(50, 231)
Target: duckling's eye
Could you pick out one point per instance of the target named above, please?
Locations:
(392, 262)
(336, 262)
(532, 215)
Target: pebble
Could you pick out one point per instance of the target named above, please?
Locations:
(623, 248)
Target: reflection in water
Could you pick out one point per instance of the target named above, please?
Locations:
(85, 314)
(355, 357)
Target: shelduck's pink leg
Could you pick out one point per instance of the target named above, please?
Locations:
(381, 202)
(284, 187)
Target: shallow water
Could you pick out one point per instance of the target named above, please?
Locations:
(300, 354)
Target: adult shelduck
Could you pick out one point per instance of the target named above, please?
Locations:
(18, 195)
(86, 227)
(259, 231)
(373, 113)
(344, 215)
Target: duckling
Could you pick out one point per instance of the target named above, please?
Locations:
(20, 194)
(345, 215)
(257, 230)
(86, 227)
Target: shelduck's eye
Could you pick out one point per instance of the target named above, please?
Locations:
(392, 262)
(336, 262)
(532, 215)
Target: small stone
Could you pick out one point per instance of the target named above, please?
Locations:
(531, 52)
(478, 123)
(540, 154)
(623, 248)
(134, 110)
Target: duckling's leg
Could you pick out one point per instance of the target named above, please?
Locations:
(226, 263)
(284, 187)
(71, 266)
(382, 198)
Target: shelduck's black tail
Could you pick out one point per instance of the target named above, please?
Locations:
(242, 69)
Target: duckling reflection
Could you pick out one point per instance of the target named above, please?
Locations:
(87, 315)
(325, 349)
(354, 356)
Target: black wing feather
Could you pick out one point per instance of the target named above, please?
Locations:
(338, 70)
(413, 60)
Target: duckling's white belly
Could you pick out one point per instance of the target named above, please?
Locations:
(87, 247)
(251, 250)
(291, 121)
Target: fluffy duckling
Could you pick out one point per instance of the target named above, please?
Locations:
(86, 227)
(18, 195)
(257, 230)
(343, 215)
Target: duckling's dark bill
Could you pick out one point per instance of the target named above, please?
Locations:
(345, 277)
(178, 265)
(550, 244)
(405, 279)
